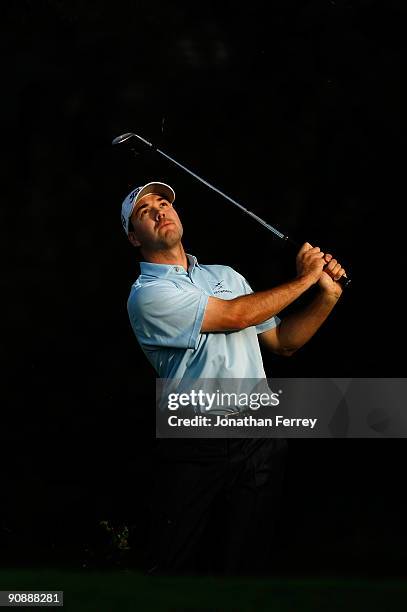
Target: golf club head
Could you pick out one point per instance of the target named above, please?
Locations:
(122, 138)
(132, 142)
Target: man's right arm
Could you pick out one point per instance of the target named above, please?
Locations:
(247, 310)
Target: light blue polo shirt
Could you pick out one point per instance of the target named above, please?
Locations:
(166, 307)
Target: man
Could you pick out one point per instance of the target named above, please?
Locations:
(202, 322)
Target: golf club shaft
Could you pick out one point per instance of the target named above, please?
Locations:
(344, 281)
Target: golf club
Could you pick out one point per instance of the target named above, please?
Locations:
(134, 142)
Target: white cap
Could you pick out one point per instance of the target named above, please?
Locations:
(139, 192)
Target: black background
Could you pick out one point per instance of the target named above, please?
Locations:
(297, 110)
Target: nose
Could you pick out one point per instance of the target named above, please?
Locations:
(159, 215)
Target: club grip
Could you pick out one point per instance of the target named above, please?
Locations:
(345, 282)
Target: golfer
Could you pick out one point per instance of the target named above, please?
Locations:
(197, 321)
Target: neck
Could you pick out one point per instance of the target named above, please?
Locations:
(172, 256)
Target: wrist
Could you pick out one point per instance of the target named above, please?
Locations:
(331, 295)
(306, 280)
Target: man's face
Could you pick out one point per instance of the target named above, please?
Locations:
(154, 224)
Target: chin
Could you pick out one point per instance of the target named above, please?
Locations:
(172, 237)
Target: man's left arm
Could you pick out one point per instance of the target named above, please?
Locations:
(297, 328)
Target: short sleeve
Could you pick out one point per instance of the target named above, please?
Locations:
(165, 315)
(268, 323)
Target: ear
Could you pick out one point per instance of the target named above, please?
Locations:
(133, 239)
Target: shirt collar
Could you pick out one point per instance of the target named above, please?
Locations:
(162, 270)
(193, 262)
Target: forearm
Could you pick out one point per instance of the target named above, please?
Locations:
(256, 307)
(297, 328)
(250, 310)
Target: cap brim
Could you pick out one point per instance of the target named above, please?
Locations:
(161, 189)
